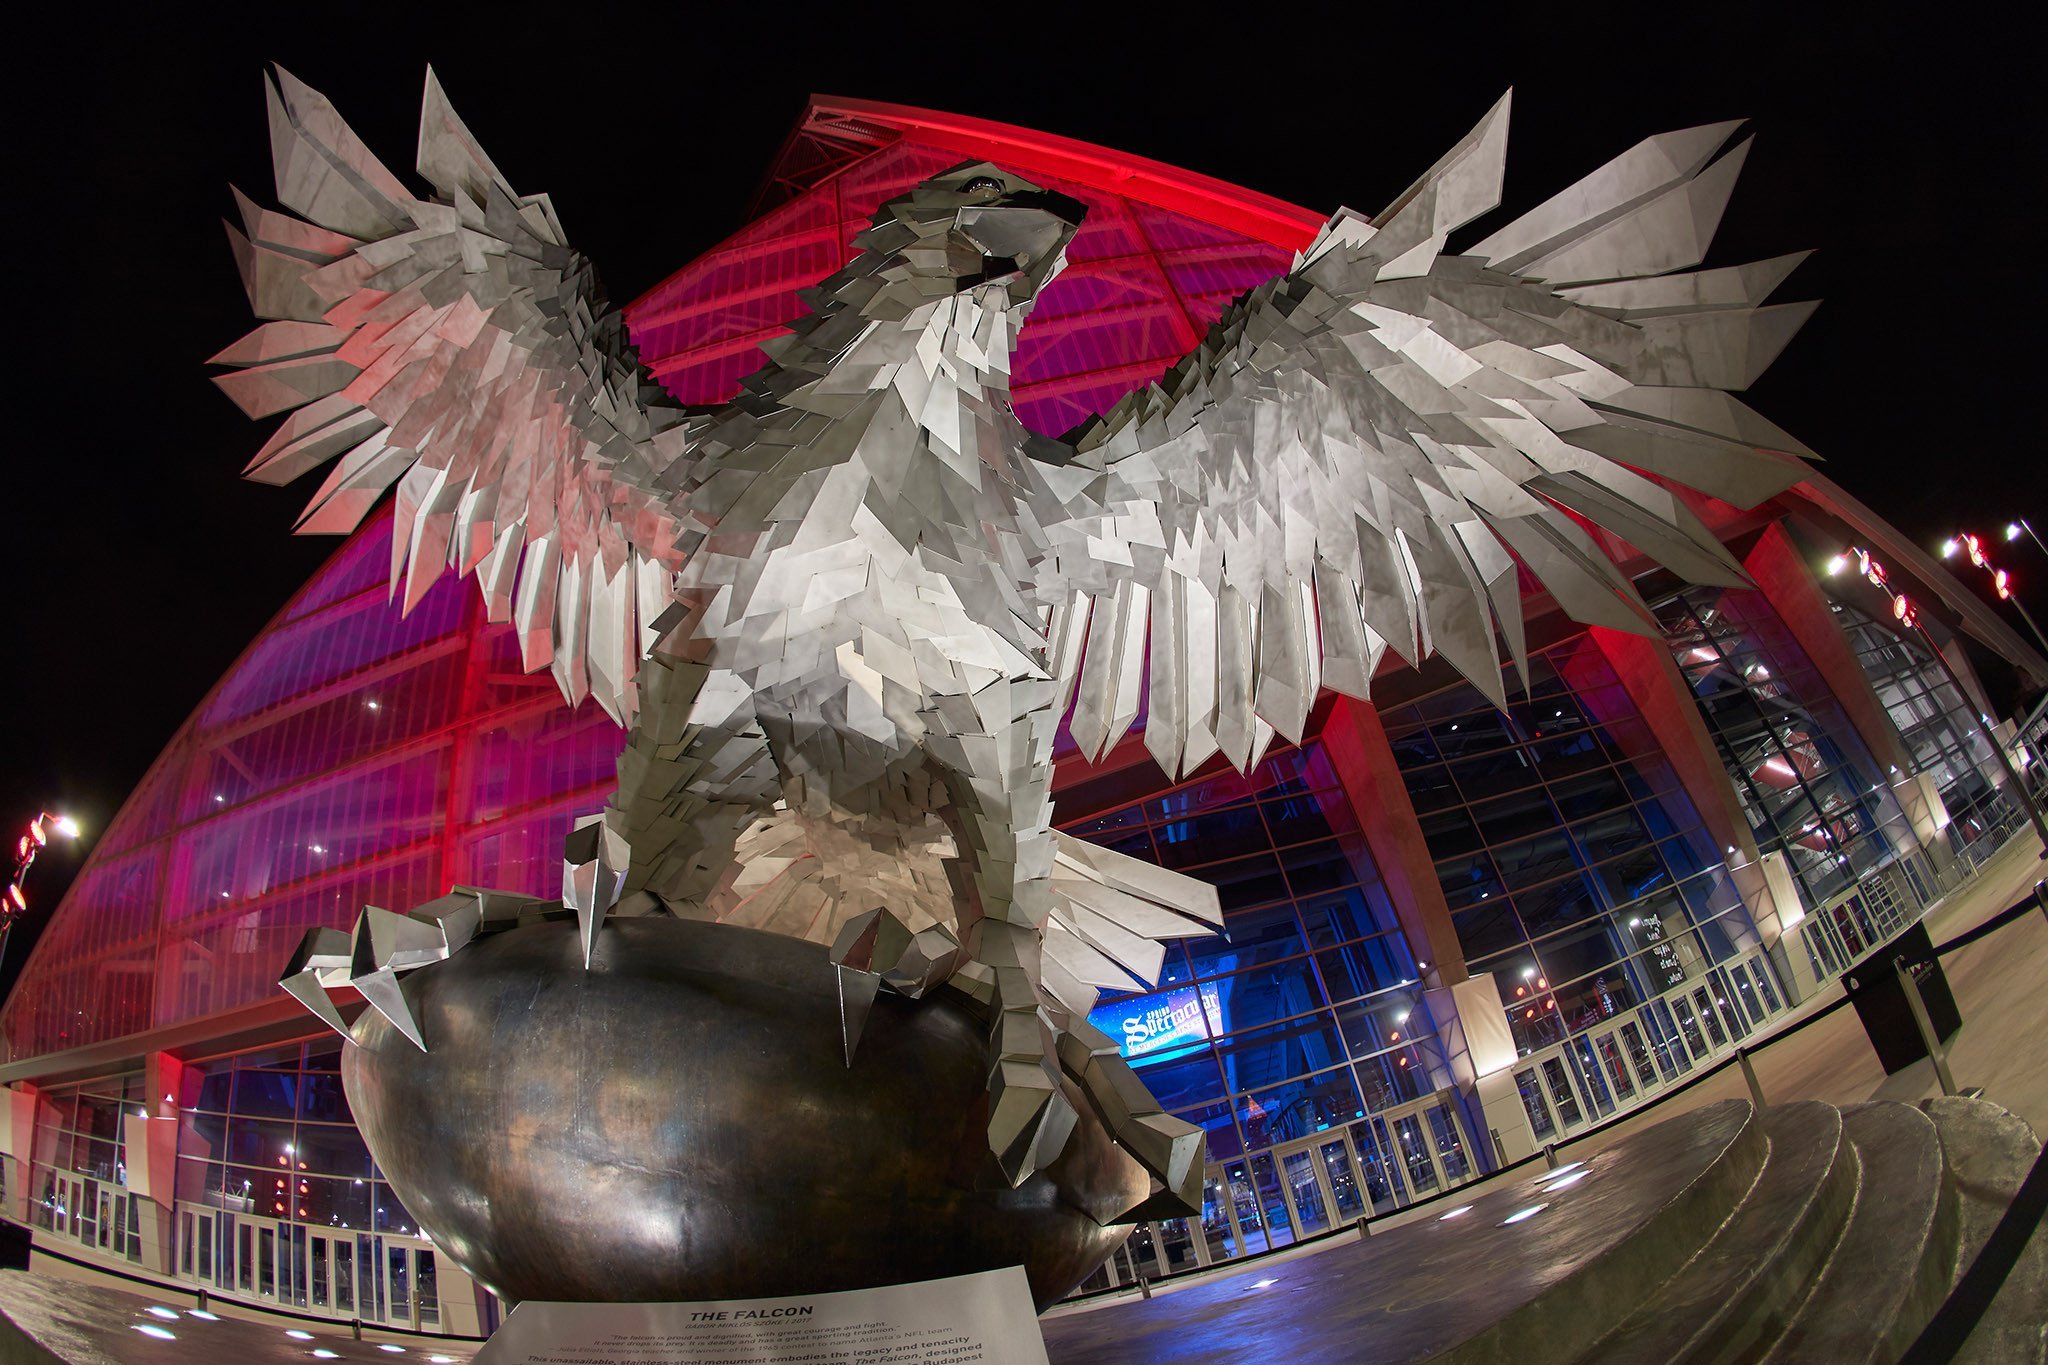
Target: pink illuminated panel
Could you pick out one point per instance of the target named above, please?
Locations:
(351, 757)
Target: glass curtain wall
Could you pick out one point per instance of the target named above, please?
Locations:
(1575, 868)
(1937, 723)
(270, 1134)
(1807, 784)
(1305, 1014)
(79, 1177)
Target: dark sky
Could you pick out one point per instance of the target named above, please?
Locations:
(138, 565)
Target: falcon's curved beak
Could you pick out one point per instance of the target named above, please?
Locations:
(1023, 236)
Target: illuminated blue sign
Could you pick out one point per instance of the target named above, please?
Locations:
(1153, 1026)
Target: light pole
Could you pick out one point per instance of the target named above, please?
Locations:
(2014, 528)
(1906, 614)
(2001, 582)
(14, 903)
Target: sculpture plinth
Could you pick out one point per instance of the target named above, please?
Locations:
(679, 1122)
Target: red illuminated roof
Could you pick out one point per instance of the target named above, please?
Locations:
(1162, 251)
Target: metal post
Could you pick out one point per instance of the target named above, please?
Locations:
(1364, 1226)
(1935, 1050)
(1550, 1155)
(1756, 1089)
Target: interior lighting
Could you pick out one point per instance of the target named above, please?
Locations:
(1520, 1214)
(373, 705)
(150, 1329)
(1457, 1212)
(167, 1314)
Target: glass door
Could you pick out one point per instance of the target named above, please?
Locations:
(1346, 1194)
(1220, 1233)
(1311, 1204)
(1378, 1166)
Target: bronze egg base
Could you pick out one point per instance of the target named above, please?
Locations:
(678, 1123)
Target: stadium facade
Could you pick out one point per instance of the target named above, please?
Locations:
(1455, 933)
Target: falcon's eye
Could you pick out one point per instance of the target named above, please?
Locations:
(982, 184)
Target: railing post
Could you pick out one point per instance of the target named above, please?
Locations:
(1550, 1155)
(1756, 1089)
(1935, 1050)
(1364, 1226)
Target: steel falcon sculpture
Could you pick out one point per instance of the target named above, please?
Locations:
(844, 614)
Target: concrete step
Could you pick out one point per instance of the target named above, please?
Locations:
(1891, 1267)
(1534, 1271)
(1746, 1283)
(1988, 1151)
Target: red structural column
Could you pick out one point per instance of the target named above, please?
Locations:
(1666, 704)
(1788, 584)
(1356, 743)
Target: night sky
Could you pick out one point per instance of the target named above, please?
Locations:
(138, 565)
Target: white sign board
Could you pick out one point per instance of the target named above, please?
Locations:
(984, 1319)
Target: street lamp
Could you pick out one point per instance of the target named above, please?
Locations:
(2001, 581)
(15, 901)
(1907, 614)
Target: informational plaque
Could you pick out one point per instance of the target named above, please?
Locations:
(984, 1319)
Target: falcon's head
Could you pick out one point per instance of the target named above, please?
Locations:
(973, 226)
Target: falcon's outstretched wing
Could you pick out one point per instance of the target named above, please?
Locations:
(1362, 450)
(458, 348)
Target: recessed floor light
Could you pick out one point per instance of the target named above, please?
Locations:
(296, 1335)
(1261, 1284)
(150, 1329)
(1562, 1182)
(168, 1314)
(1519, 1214)
(1456, 1212)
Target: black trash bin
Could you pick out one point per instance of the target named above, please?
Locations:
(1880, 999)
